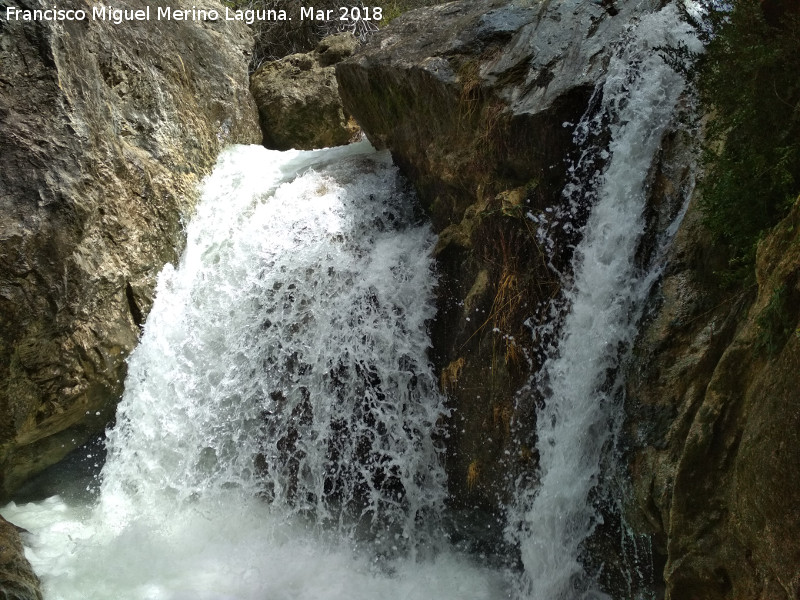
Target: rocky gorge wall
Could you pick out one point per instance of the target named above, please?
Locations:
(298, 98)
(106, 130)
(472, 98)
(477, 102)
(714, 420)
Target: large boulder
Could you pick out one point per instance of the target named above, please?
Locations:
(477, 100)
(714, 422)
(472, 96)
(298, 98)
(107, 130)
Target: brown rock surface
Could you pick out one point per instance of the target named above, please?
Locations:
(472, 99)
(106, 131)
(715, 419)
(298, 98)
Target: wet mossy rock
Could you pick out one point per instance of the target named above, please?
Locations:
(298, 98)
(475, 100)
(107, 130)
(17, 579)
(714, 420)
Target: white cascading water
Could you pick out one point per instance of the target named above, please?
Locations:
(579, 381)
(276, 438)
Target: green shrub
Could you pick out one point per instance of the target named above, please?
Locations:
(749, 85)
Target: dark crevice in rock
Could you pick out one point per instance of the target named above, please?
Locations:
(136, 312)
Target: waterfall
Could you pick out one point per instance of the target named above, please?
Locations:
(278, 433)
(580, 381)
(286, 354)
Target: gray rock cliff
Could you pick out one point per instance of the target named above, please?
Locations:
(106, 131)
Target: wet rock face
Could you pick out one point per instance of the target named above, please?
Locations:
(470, 95)
(714, 421)
(477, 102)
(107, 129)
(17, 579)
(298, 98)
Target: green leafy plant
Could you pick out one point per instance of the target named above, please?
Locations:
(775, 322)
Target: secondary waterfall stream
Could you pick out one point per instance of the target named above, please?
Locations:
(581, 382)
(280, 436)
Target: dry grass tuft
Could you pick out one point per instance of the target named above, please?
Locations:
(502, 415)
(448, 380)
(473, 474)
